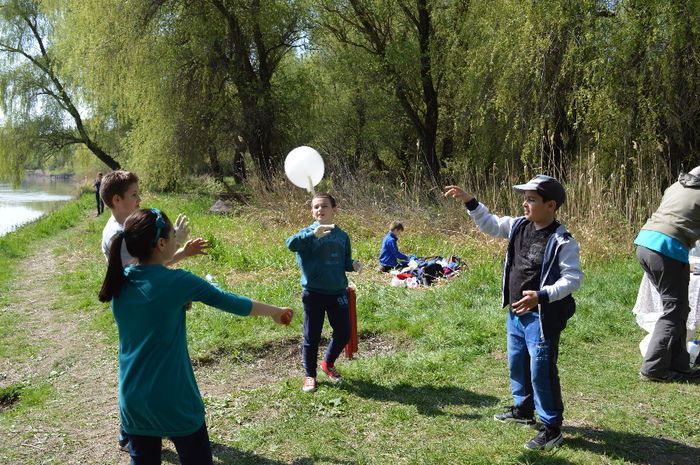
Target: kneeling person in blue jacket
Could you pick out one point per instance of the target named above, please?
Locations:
(389, 256)
(324, 255)
(541, 272)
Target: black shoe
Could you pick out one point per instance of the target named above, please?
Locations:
(653, 378)
(547, 439)
(123, 441)
(690, 376)
(512, 415)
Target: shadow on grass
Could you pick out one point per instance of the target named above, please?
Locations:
(229, 455)
(543, 458)
(308, 461)
(633, 448)
(429, 400)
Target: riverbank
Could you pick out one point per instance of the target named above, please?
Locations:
(36, 195)
(430, 373)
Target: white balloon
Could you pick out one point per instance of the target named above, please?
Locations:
(304, 167)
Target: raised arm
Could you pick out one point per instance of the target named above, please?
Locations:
(488, 223)
(458, 193)
(302, 240)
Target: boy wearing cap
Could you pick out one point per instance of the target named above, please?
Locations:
(541, 272)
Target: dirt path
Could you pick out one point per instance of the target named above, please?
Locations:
(78, 424)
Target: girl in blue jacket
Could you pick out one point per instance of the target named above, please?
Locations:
(158, 394)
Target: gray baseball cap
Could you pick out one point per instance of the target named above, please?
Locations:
(546, 186)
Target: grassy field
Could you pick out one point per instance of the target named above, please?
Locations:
(430, 373)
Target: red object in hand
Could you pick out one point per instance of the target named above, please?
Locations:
(287, 317)
(351, 348)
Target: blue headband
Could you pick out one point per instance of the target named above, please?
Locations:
(160, 223)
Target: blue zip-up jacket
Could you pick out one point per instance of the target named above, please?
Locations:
(390, 255)
(324, 260)
(561, 270)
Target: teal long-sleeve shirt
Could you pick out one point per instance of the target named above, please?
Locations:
(323, 260)
(158, 393)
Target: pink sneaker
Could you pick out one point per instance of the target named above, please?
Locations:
(331, 372)
(309, 384)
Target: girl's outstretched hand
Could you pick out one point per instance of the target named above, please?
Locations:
(284, 317)
(195, 247)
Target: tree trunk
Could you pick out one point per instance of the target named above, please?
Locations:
(430, 95)
(359, 105)
(423, 116)
(258, 131)
(428, 143)
(239, 171)
(214, 163)
(99, 153)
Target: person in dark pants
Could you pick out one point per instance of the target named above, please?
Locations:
(158, 393)
(662, 250)
(100, 203)
(324, 255)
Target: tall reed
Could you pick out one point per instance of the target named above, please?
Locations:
(605, 207)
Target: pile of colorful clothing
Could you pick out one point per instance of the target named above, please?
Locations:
(423, 271)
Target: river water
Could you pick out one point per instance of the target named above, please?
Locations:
(36, 196)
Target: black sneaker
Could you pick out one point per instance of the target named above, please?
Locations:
(653, 378)
(511, 415)
(547, 439)
(123, 440)
(690, 376)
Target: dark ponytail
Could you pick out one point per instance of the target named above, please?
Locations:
(142, 229)
(114, 278)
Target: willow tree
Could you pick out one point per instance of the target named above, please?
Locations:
(520, 79)
(644, 99)
(196, 79)
(407, 41)
(40, 104)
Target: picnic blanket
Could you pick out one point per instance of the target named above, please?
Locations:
(423, 271)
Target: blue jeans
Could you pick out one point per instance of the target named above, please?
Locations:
(192, 450)
(534, 378)
(315, 308)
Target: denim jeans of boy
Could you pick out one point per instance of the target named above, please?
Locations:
(534, 378)
(316, 306)
(194, 449)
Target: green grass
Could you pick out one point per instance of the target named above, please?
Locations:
(429, 396)
(20, 243)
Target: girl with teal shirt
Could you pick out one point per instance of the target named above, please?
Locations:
(158, 393)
